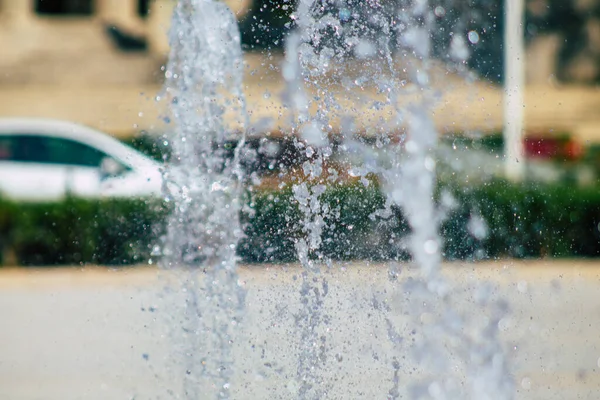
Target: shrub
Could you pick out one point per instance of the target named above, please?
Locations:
(522, 220)
(536, 220)
(150, 146)
(111, 232)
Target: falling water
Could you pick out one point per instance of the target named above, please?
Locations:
(457, 357)
(338, 54)
(313, 342)
(203, 183)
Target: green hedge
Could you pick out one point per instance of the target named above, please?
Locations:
(351, 232)
(523, 221)
(79, 231)
(534, 221)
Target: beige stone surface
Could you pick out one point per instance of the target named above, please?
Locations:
(99, 333)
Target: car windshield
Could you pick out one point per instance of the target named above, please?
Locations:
(49, 150)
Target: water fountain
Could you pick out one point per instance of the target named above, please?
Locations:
(203, 80)
(372, 53)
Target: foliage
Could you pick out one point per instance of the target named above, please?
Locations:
(77, 231)
(152, 147)
(535, 220)
(266, 24)
(522, 221)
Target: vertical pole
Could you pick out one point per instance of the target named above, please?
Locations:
(514, 85)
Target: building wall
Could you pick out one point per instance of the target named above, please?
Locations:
(42, 48)
(45, 48)
(70, 68)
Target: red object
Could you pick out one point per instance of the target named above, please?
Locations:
(573, 150)
(552, 148)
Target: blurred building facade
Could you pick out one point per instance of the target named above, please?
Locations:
(84, 41)
(98, 62)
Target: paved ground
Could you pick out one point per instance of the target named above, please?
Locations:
(102, 334)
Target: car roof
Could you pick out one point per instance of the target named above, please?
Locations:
(78, 133)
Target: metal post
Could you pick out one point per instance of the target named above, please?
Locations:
(514, 86)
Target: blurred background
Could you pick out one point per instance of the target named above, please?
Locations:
(101, 64)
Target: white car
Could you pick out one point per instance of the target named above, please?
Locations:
(46, 160)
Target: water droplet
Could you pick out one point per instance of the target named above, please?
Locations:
(458, 48)
(155, 251)
(422, 78)
(473, 37)
(429, 164)
(440, 11)
(430, 246)
(477, 227)
(411, 146)
(344, 14)
(365, 49)
(504, 324)
(526, 383)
